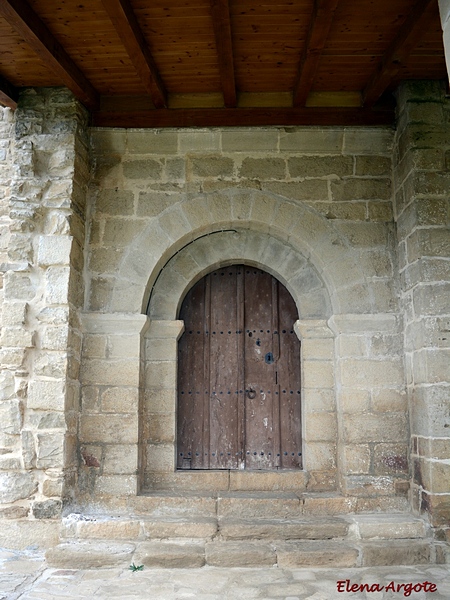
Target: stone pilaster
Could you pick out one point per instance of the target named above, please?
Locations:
(43, 292)
(422, 184)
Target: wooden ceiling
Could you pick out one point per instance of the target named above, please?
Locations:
(159, 63)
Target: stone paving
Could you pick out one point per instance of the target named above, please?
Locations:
(25, 576)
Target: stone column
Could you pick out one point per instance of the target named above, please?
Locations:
(43, 291)
(444, 9)
(111, 378)
(422, 193)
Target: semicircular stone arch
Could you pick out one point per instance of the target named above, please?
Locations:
(303, 233)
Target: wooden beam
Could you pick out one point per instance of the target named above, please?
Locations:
(220, 10)
(407, 38)
(29, 26)
(319, 28)
(242, 117)
(8, 93)
(124, 20)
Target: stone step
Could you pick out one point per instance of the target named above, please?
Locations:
(283, 529)
(244, 553)
(178, 525)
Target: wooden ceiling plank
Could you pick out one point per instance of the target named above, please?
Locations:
(407, 38)
(220, 11)
(126, 24)
(8, 93)
(29, 26)
(237, 117)
(319, 29)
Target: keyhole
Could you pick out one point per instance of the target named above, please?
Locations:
(258, 342)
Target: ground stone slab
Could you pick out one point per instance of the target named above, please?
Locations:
(240, 554)
(86, 555)
(170, 555)
(178, 528)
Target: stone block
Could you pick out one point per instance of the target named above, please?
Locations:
(120, 459)
(358, 140)
(263, 168)
(380, 554)
(114, 372)
(431, 365)
(199, 141)
(142, 169)
(311, 140)
(116, 485)
(389, 459)
(293, 555)
(211, 166)
(170, 555)
(54, 249)
(14, 313)
(46, 395)
(108, 141)
(121, 231)
(161, 374)
(320, 166)
(115, 202)
(16, 486)
(50, 450)
(308, 189)
(89, 555)
(328, 505)
(368, 373)
(161, 427)
(57, 285)
(18, 286)
(368, 485)
(119, 400)
(321, 427)
(260, 505)
(11, 416)
(250, 140)
(161, 457)
(322, 400)
(159, 400)
(381, 427)
(283, 529)
(55, 338)
(389, 400)
(110, 429)
(20, 535)
(361, 189)
(108, 529)
(203, 528)
(152, 141)
(373, 165)
(187, 481)
(267, 481)
(48, 509)
(318, 374)
(389, 527)
(188, 505)
(240, 554)
(351, 211)
(357, 459)
(321, 456)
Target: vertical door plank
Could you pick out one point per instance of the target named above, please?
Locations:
(224, 380)
(259, 370)
(191, 384)
(289, 380)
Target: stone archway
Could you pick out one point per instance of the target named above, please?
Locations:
(314, 305)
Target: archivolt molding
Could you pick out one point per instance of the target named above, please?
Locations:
(292, 241)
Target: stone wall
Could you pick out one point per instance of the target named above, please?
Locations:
(422, 212)
(43, 292)
(313, 207)
(89, 330)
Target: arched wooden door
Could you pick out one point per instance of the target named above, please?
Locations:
(239, 374)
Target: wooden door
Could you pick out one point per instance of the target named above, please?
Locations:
(238, 374)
